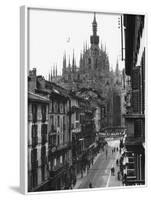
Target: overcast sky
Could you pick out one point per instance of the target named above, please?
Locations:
(52, 33)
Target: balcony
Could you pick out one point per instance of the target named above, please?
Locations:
(64, 146)
(130, 141)
(134, 116)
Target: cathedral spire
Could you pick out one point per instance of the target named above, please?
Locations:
(80, 60)
(51, 75)
(56, 70)
(117, 68)
(64, 60)
(73, 63)
(64, 64)
(94, 38)
(94, 25)
(101, 46)
(105, 48)
(73, 60)
(69, 65)
(53, 70)
(86, 46)
(83, 48)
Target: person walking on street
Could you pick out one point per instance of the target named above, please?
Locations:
(113, 171)
(117, 162)
(118, 175)
(106, 154)
(90, 185)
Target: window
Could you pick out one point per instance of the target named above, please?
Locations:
(58, 140)
(33, 155)
(44, 133)
(89, 61)
(34, 135)
(138, 128)
(52, 123)
(64, 125)
(43, 110)
(55, 107)
(34, 131)
(58, 120)
(65, 108)
(44, 129)
(43, 155)
(34, 112)
(61, 108)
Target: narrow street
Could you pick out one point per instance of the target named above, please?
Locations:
(100, 173)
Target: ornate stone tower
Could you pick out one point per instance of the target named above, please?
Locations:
(94, 39)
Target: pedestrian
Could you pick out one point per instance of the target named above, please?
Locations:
(106, 154)
(124, 179)
(117, 162)
(112, 171)
(117, 149)
(90, 185)
(118, 175)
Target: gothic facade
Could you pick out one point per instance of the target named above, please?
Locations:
(93, 72)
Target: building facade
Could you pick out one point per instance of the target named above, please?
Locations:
(135, 116)
(59, 154)
(37, 142)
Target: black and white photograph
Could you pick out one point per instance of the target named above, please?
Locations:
(86, 100)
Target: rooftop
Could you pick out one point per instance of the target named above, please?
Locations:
(36, 97)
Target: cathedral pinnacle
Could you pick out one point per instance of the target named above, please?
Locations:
(94, 38)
